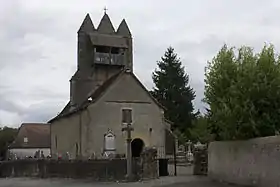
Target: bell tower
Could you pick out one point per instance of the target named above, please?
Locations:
(102, 52)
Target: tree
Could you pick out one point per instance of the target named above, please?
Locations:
(243, 93)
(7, 136)
(200, 131)
(172, 90)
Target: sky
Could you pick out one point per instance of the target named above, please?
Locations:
(38, 43)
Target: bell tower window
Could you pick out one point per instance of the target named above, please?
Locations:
(103, 49)
(115, 50)
(109, 55)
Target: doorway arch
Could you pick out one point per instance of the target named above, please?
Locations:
(137, 146)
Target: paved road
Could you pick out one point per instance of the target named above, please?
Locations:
(184, 179)
(188, 181)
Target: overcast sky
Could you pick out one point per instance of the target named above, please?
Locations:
(38, 43)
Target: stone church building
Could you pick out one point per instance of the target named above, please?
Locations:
(103, 91)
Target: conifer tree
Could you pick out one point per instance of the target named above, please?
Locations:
(173, 91)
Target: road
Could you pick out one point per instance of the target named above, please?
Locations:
(184, 179)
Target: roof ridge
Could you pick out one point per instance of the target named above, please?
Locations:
(101, 89)
(94, 95)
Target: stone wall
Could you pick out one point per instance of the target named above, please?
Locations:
(149, 164)
(200, 161)
(253, 162)
(144, 167)
(99, 170)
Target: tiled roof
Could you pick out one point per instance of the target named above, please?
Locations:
(32, 135)
(66, 111)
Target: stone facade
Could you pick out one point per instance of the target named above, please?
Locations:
(83, 132)
(102, 52)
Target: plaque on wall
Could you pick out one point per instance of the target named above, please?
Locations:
(109, 141)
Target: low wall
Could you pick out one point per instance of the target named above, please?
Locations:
(254, 162)
(99, 170)
(145, 167)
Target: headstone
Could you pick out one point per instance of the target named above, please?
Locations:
(66, 156)
(42, 155)
(92, 156)
(37, 154)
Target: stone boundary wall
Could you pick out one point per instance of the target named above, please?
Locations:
(254, 162)
(98, 170)
(144, 167)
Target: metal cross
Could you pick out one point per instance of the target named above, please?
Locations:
(105, 9)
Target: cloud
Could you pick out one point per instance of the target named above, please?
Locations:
(38, 43)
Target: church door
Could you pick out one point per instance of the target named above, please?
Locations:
(137, 146)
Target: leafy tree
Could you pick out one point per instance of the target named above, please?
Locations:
(7, 136)
(200, 131)
(243, 93)
(181, 137)
(172, 90)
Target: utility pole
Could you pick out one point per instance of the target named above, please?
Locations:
(128, 129)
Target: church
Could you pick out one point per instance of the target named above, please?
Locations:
(105, 94)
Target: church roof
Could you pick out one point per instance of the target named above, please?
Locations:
(105, 26)
(108, 40)
(123, 29)
(100, 91)
(87, 25)
(32, 135)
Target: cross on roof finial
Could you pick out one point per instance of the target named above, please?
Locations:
(105, 9)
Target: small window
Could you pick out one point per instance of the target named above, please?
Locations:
(127, 115)
(25, 140)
